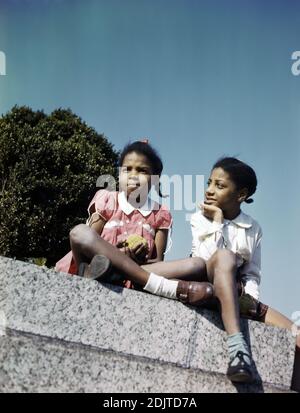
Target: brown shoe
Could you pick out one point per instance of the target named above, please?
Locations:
(99, 268)
(194, 293)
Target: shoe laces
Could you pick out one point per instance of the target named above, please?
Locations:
(240, 355)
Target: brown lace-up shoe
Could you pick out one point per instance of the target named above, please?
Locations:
(194, 293)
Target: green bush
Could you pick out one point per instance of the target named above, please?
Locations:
(49, 165)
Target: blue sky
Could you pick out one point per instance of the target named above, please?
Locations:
(201, 78)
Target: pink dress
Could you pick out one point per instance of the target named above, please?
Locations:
(122, 219)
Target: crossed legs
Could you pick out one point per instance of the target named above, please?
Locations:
(86, 243)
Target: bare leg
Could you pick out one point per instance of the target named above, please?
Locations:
(86, 242)
(76, 249)
(276, 319)
(188, 269)
(222, 270)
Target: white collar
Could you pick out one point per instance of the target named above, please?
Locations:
(210, 227)
(242, 220)
(126, 207)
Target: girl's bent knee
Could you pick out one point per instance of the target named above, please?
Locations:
(196, 267)
(226, 259)
(78, 233)
(197, 264)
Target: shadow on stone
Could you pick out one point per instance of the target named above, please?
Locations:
(296, 372)
(216, 320)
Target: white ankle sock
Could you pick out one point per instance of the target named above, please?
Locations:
(161, 286)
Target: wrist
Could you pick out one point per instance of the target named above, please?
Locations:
(219, 218)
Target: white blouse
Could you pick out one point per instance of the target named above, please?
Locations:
(241, 235)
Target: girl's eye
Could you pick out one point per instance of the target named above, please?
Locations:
(143, 171)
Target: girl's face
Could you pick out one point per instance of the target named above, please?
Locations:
(135, 174)
(223, 193)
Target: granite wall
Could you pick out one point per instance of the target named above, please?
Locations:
(65, 333)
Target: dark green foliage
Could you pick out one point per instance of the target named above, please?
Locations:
(49, 166)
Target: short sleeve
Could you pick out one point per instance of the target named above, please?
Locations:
(103, 203)
(165, 219)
